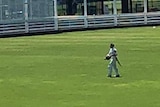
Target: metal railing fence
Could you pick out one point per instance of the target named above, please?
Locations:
(77, 22)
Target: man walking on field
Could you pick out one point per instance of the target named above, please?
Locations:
(112, 56)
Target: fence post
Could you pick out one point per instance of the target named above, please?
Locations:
(115, 12)
(145, 11)
(85, 14)
(1, 10)
(26, 16)
(55, 15)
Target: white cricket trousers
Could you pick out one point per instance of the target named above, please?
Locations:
(112, 65)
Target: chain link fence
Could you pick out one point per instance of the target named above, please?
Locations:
(14, 9)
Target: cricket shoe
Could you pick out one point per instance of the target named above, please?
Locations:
(117, 75)
(109, 76)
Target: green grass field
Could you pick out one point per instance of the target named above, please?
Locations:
(68, 70)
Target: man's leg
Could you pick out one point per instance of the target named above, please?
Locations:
(116, 69)
(110, 69)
